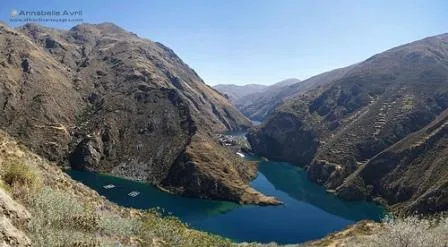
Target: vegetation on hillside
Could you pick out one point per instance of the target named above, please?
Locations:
(412, 231)
(356, 135)
(101, 98)
(66, 213)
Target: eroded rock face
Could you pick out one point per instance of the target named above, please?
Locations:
(97, 97)
(285, 137)
(87, 154)
(410, 175)
(357, 118)
(12, 214)
(213, 177)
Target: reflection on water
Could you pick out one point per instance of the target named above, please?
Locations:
(255, 123)
(309, 212)
(150, 197)
(294, 182)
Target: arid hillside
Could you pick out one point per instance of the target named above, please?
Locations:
(97, 97)
(344, 131)
(258, 106)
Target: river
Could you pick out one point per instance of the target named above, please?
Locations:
(308, 213)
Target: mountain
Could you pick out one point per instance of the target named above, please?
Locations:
(235, 92)
(259, 105)
(377, 132)
(97, 97)
(413, 170)
(251, 99)
(282, 84)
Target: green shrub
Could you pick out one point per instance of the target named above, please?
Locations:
(17, 173)
(59, 219)
(21, 180)
(173, 232)
(62, 219)
(118, 226)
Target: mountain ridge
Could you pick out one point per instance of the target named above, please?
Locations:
(99, 98)
(243, 97)
(259, 106)
(237, 92)
(337, 128)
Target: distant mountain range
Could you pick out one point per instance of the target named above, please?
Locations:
(376, 130)
(234, 92)
(250, 99)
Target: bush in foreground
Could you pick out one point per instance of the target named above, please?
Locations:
(21, 180)
(411, 232)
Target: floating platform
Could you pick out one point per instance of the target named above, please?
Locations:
(240, 154)
(134, 194)
(109, 186)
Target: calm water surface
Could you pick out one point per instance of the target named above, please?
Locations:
(308, 213)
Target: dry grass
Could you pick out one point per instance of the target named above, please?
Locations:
(61, 220)
(20, 179)
(411, 232)
(67, 213)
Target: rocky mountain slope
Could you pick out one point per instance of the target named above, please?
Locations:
(97, 97)
(258, 106)
(344, 131)
(42, 206)
(412, 173)
(234, 92)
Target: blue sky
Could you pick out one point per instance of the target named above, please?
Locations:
(261, 41)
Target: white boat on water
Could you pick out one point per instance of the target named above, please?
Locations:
(134, 193)
(109, 186)
(240, 154)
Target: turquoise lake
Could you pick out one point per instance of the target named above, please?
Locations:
(308, 213)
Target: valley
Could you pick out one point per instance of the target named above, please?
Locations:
(120, 127)
(373, 132)
(99, 98)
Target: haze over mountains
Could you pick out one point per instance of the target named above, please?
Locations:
(251, 99)
(234, 92)
(371, 130)
(100, 98)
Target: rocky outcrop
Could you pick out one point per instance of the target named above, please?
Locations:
(10, 235)
(11, 209)
(213, 176)
(97, 97)
(12, 214)
(285, 137)
(344, 131)
(87, 154)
